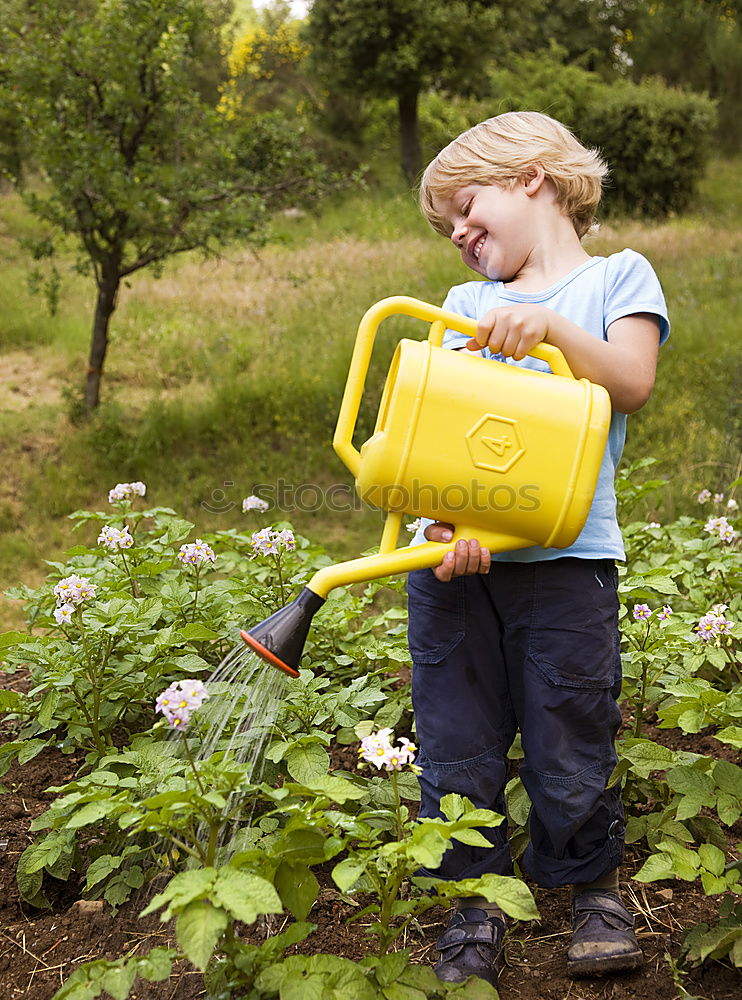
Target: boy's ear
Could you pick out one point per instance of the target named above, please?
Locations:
(533, 178)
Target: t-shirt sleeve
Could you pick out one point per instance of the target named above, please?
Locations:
(633, 287)
(459, 300)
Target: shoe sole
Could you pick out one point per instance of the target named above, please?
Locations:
(604, 966)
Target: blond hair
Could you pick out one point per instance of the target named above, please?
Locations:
(500, 151)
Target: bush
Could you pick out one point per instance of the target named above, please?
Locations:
(656, 141)
(542, 81)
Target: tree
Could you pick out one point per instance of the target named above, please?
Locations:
(695, 44)
(398, 48)
(117, 102)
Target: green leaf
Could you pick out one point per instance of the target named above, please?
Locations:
(712, 885)
(346, 873)
(8, 639)
(646, 756)
(91, 813)
(194, 630)
(31, 749)
(712, 858)
(198, 929)
(30, 882)
(118, 981)
(454, 806)
(656, 868)
(298, 887)
(245, 896)
(728, 808)
(471, 837)
(156, 966)
(731, 735)
(390, 967)
(307, 763)
(396, 991)
(12, 701)
(519, 805)
(182, 889)
(728, 777)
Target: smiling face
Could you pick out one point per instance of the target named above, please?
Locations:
(491, 227)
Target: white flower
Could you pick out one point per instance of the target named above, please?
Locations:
(377, 749)
(652, 524)
(721, 527)
(196, 553)
(704, 496)
(180, 699)
(718, 497)
(125, 491)
(413, 526)
(268, 542)
(254, 503)
(732, 504)
(115, 538)
(63, 614)
(74, 590)
(286, 540)
(714, 624)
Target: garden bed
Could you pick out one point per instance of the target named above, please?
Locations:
(40, 949)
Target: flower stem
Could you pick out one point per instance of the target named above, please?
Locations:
(193, 764)
(195, 596)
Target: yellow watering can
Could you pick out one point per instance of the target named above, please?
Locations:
(508, 455)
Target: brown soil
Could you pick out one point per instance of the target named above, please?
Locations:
(40, 949)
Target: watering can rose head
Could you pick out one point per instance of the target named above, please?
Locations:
(180, 699)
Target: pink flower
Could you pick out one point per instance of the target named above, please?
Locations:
(196, 553)
(180, 699)
(74, 590)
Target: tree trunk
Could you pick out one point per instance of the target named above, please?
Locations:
(104, 307)
(409, 138)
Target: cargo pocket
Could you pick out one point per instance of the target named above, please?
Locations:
(574, 639)
(436, 616)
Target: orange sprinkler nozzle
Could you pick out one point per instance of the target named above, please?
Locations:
(279, 640)
(265, 654)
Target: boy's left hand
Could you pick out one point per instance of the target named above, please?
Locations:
(512, 330)
(467, 559)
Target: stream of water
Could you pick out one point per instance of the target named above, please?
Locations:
(245, 697)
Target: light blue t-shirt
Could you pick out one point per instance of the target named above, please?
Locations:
(593, 296)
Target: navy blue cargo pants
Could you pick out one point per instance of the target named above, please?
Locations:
(529, 646)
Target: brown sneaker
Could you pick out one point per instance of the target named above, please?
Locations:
(471, 945)
(603, 939)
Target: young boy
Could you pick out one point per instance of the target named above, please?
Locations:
(528, 639)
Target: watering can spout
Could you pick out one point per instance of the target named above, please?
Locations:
(279, 640)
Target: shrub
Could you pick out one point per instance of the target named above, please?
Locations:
(656, 141)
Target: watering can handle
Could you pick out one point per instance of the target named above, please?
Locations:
(441, 320)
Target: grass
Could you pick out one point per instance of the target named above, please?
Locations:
(222, 375)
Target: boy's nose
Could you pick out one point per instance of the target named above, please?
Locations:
(458, 234)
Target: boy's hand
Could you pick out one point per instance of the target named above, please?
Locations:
(512, 330)
(468, 559)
